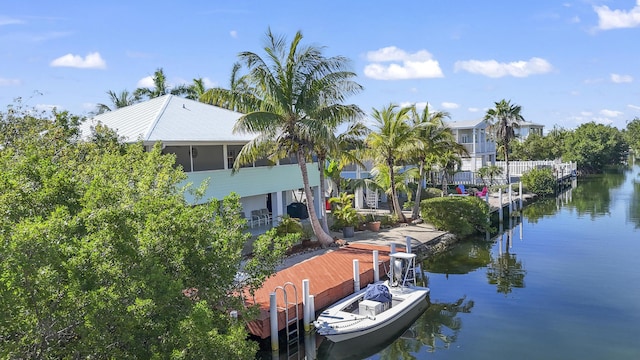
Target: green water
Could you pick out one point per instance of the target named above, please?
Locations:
(563, 282)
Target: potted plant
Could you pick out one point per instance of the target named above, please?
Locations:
(374, 224)
(344, 214)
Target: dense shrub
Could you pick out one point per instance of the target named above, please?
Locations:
(459, 215)
(539, 181)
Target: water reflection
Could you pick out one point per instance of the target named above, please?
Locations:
(506, 271)
(465, 257)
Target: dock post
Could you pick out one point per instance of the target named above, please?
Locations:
(500, 205)
(273, 319)
(306, 315)
(376, 267)
(520, 192)
(510, 200)
(392, 248)
(408, 246)
(312, 307)
(356, 275)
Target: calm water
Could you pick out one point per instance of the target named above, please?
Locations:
(562, 283)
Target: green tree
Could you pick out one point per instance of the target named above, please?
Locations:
(503, 119)
(195, 90)
(632, 134)
(540, 181)
(300, 94)
(125, 98)
(594, 146)
(390, 143)
(103, 257)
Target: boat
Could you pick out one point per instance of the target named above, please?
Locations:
(378, 307)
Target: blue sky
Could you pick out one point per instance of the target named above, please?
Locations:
(565, 63)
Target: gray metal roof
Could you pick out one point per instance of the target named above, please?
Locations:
(171, 118)
(469, 124)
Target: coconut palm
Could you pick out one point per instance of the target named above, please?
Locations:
(390, 144)
(503, 119)
(160, 87)
(195, 90)
(435, 138)
(299, 95)
(239, 97)
(125, 98)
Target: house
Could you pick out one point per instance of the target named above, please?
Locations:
(473, 136)
(202, 139)
(527, 128)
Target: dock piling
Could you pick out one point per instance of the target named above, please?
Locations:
(306, 315)
(273, 319)
(356, 275)
(376, 267)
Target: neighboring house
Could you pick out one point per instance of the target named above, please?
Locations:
(527, 128)
(205, 146)
(473, 136)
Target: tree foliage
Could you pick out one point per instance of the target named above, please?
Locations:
(503, 119)
(101, 256)
(539, 181)
(459, 215)
(594, 146)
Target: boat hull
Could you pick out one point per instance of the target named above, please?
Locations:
(338, 324)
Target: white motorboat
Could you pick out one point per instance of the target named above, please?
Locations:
(377, 307)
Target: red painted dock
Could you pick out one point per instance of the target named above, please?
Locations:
(330, 279)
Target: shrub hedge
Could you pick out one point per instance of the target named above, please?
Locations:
(459, 215)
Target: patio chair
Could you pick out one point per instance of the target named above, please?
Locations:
(266, 214)
(483, 192)
(257, 217)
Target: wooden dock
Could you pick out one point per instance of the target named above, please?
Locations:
(330, 279)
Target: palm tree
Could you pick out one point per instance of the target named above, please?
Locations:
(340, 148)
(195, 90)
(160, 87)
(390, 143)
(503, 119)
(435, 137)
(299, 94)
(125, 98)
(239, 97)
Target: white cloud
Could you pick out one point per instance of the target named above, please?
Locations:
(146, 82)
(449, 105)
(208, 83)
(617, 19)
(617, 78)
(403, 65)
(234, 34)
(610, 113)
(9, 21)
(634, 107)
(473, 109)
(9, 82)
(604, 121)
(91, 61)
(574, 20)
(494, 69)
(47, 107)
(586, 113)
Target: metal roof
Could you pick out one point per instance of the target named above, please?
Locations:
(469, 124)
(171, 118)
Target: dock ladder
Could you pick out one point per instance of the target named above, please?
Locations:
(292, 327)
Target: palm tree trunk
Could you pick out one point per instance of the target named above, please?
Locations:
(323, 190)
(506, 162)
(416, 202)
(394, 196)
(324, 238)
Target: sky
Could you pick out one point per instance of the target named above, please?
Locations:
(564, 62)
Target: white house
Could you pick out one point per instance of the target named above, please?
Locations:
(202, 139)
(473, 136)
(527, 128)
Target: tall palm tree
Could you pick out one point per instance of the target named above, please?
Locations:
(434, 137)
(195, 90)
(503, 119)
(160, 87)
(390, 144)
(125, 98)
(300, 94)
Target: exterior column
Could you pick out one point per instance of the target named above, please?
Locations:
(318, 201)
(359, 195)
(224, 157)
(277, 206)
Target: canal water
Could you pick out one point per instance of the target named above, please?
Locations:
(562, 281)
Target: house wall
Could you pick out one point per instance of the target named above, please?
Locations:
(248, 182)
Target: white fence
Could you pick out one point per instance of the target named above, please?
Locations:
(516, 169)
